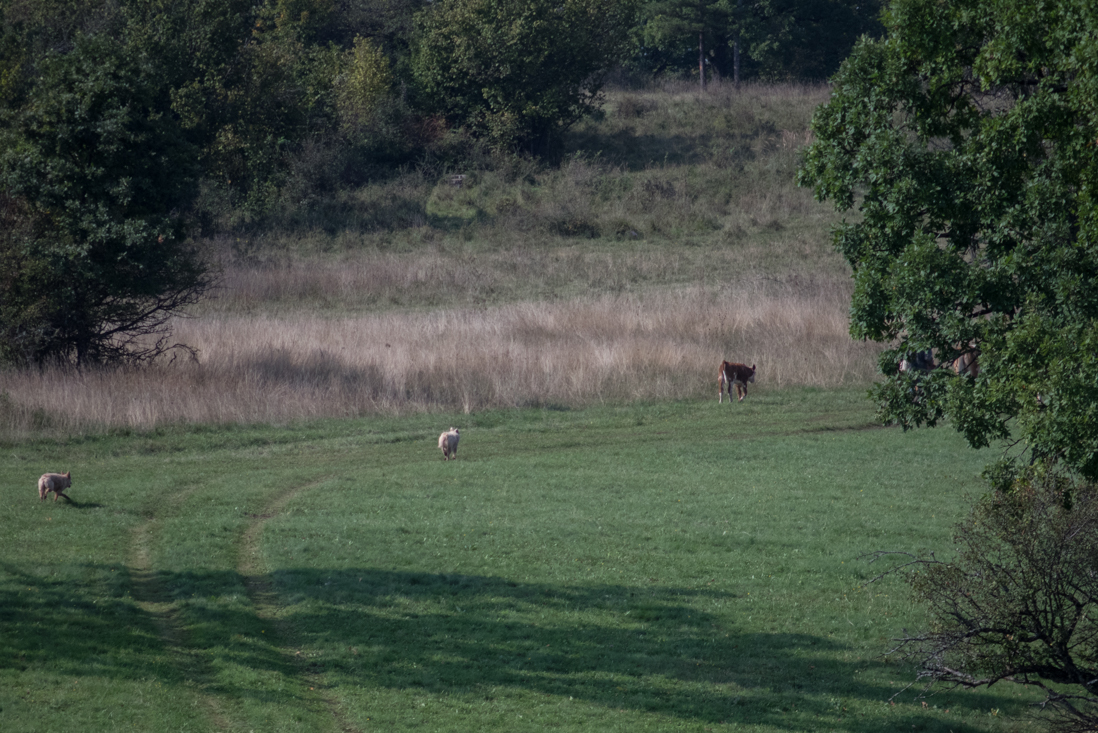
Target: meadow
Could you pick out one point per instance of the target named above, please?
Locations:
(678, 565)
(265, 537)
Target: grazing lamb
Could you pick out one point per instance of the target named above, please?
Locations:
(55, 482)
(448, 444)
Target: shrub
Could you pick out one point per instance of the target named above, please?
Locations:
(1019, 602)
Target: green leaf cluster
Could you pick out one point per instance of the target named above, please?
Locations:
(518, 71)
(365, 83)
(93, 256)
(967, 141)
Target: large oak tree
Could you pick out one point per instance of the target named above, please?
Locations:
(966, 141)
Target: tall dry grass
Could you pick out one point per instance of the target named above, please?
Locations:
(609, 348)
(448, 275)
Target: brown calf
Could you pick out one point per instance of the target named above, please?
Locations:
(734, 374)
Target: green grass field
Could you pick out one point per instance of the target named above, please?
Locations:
(669, 566)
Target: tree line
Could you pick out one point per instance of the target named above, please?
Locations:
(257, 86)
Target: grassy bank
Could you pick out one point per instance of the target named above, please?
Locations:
(666, 163)
(675, 566)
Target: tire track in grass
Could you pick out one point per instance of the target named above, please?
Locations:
(264, 599)
(155, 601)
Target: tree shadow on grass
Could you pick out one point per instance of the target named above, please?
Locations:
(621, 647)
(616, 646)
(77, 629)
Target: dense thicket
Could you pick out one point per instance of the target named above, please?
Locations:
(775, 40)
(518, 71)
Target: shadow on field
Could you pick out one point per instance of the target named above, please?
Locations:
(76, 629)
(621, 647)
(85, 504)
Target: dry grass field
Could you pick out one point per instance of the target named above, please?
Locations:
(657, 345)
(672, 238)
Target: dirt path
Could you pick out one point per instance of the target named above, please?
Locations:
(264, 599)
(154, 600)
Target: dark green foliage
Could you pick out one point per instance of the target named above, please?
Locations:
(386, 23)
(259, 87)
(693, 27)
(94, 261)
(262, 89)
(779, 39)
(803, 39)
(966, 138)
(1019, 601)
(518, 71)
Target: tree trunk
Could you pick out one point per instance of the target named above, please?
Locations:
(736, 48)
(736, 62)
(701, 58)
